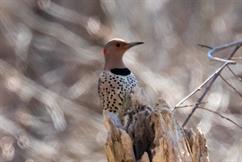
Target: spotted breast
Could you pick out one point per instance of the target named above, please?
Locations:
(113, 87)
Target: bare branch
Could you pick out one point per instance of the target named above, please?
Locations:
(202, 85)
(237, 58)
(205, 46)
(236, 76)
(224, 117)
(185, 106)
(219, 48)
(226, 63)
(213, 77)
(230, 85)
(215, 112)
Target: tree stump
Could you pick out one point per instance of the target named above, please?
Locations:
(153, 135)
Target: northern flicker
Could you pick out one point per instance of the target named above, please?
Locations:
(116, 82)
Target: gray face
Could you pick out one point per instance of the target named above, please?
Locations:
(114, 51)
(118, 46)
(115, 47)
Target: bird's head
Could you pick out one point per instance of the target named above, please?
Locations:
(115, 49)
(118, 47)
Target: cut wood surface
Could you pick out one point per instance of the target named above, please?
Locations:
(153, 135)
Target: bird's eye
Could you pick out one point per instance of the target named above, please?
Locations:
(118, 45)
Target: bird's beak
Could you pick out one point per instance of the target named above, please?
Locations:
(132, 44)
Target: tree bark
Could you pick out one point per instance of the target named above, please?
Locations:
(153, 135)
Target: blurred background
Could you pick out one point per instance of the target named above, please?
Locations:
(51, 57)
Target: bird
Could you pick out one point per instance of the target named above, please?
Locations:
(116, 82)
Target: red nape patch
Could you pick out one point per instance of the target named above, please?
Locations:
(104, 51)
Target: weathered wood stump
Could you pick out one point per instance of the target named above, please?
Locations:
(153, 135)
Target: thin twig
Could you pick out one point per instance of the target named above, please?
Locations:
(211, 76)
(219, 48)
(205, 46)
(215, 112)
(201, 86)
(214, 77)
(235, 75)
(237, 58)
(230, 85)
(224, 117)
(201, 98)
(185, 106)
